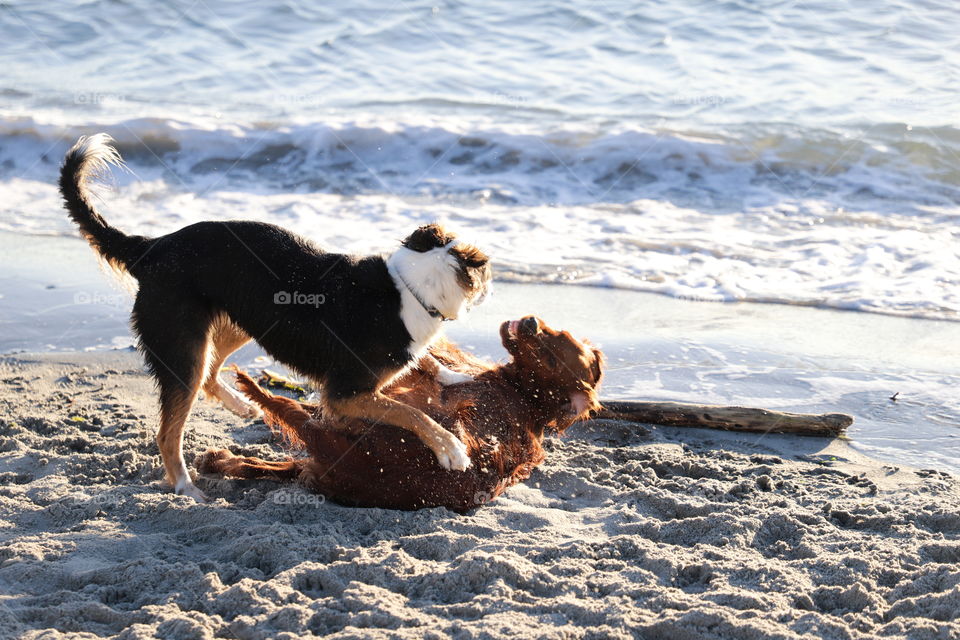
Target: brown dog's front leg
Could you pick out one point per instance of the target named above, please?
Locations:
(450, 451)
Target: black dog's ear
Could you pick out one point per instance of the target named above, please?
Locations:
(427, 237)
(474, 271)
(596, 367)
(470, 256)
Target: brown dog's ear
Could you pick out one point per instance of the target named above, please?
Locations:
(581, 405)
(596, 367)
(427, 237)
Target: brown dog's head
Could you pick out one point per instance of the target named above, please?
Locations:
(561, 371)
(472, 266)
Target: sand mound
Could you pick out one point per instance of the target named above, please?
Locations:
(619, 534)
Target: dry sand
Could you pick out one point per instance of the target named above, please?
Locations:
(667, 534)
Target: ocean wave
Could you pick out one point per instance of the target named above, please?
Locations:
(891, 165)
(813, 218)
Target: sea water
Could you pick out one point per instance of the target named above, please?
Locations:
(801, 152)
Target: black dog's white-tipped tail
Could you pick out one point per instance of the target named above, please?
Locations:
(86, 161)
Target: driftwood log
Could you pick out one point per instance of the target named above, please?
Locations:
(745, 419)
(678, 414)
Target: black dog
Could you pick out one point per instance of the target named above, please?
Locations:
(351, 324)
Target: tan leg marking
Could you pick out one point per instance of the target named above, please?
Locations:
(226, 338)
(175, 405)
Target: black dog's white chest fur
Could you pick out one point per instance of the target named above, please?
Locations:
(427, 278)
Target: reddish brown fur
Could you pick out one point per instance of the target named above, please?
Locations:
(501, 416)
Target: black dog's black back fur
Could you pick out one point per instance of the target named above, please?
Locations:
(288, 295)
(312, 310)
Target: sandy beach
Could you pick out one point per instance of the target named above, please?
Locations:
(623, 532)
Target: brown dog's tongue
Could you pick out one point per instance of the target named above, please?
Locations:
(579, 402)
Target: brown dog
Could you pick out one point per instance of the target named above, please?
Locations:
(501, 415)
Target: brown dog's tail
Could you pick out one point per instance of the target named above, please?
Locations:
(86, 160)
(294, 421)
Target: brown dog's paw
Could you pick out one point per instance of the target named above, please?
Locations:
(212, 461)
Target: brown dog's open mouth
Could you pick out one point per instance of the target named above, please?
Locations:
(508, 335)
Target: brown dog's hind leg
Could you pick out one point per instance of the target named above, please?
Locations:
(222, 462)
(450, 451)
(298, 426)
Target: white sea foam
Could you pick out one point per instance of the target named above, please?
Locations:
(682, 216)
